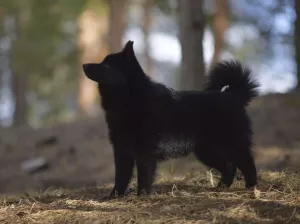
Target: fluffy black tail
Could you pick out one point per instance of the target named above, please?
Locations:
(231, 76)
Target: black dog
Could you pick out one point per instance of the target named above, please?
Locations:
(149, 122)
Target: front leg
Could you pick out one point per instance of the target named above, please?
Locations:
(146, 167)
(124, 163)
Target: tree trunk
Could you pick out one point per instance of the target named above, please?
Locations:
(219, 25)
(19, 91)
(146, 25)
(117, 13)
(191, 23)
(93, 29)
(297, 40)
(19, 74)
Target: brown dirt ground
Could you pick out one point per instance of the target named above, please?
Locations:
(83, 156)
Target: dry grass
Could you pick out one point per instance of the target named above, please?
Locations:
(188, 199)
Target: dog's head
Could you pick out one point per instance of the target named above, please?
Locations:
(112, 70)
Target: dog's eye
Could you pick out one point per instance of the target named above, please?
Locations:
(106, 66)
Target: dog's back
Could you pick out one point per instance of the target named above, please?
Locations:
(184, 119)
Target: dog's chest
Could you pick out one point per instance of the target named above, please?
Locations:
(173, 146)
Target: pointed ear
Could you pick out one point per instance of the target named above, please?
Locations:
(128, 50)
(128, 46)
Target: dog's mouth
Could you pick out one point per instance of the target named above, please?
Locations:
(104, 74)
(87, 71)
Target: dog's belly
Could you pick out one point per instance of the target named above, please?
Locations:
(174, 146)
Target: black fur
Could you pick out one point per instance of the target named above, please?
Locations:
(149, 122)
(237, 78)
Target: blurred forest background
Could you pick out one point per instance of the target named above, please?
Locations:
(50, 112)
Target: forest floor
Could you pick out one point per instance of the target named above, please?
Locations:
(189, 199)
(81, 170)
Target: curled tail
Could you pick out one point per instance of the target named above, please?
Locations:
(231, 76)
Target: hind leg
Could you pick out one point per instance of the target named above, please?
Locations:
(227, 175)
(221, 164)
(146, 167)
(245, 163)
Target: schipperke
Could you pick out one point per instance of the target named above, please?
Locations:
(149, 122)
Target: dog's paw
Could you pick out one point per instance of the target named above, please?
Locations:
(221, 186)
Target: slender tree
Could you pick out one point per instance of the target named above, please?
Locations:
(297, 39)
(117, 23)
(191, 23)
(220, 23)
(146, 26)
(91, 41)
(17, 31)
